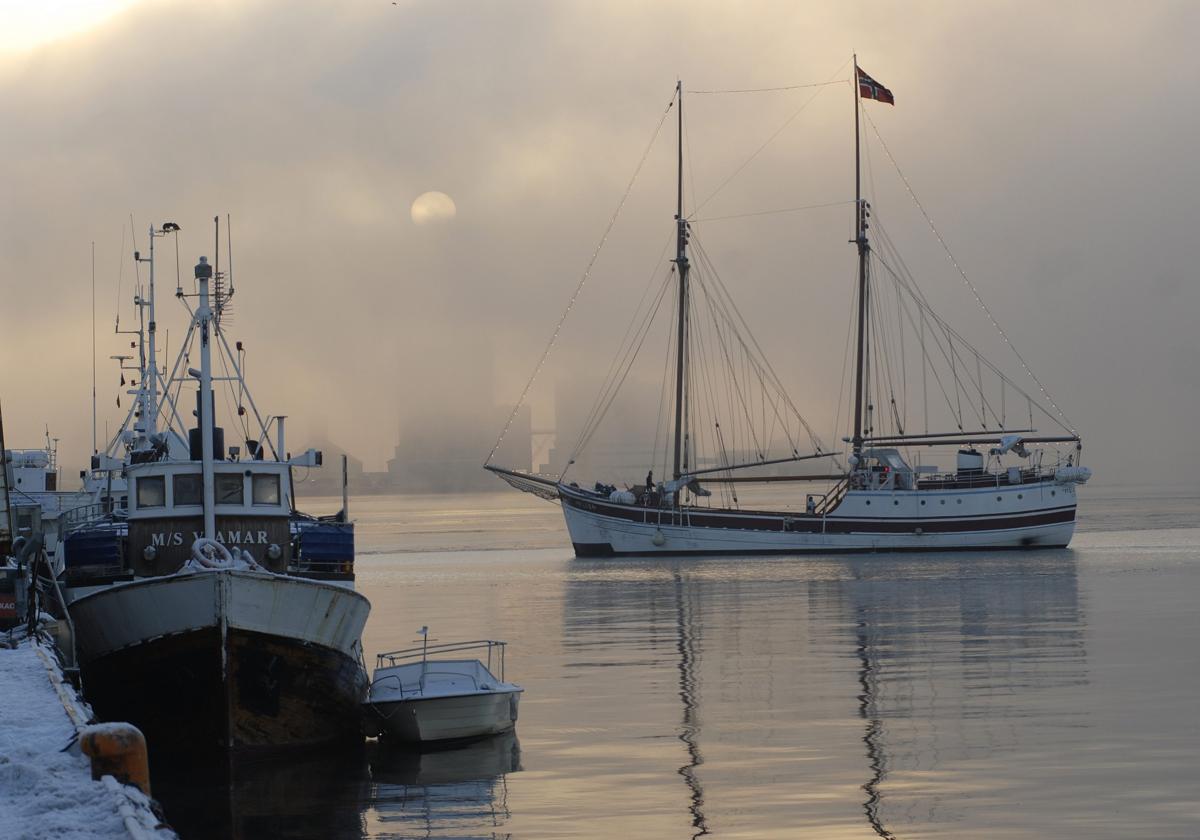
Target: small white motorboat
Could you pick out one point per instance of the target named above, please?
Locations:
(418, 699)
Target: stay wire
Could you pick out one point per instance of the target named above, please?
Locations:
(583, 279)
(623, 345)
(963, 274)
(834, 80)
(772, 212)
(772, 89)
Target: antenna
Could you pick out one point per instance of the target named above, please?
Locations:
(94, 449)
(229, 250)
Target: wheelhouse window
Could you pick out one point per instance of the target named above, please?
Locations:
(188, 489)
(152, 491)
(265, 489)
(229, 489)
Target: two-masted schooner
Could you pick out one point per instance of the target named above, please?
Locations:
(1010, 485)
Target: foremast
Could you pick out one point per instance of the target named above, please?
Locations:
(681, 264)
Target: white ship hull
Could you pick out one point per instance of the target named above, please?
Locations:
(1038, 515)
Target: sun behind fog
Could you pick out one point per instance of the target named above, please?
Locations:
(433, 208)
(26, 24)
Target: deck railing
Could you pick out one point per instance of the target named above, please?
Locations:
(833, 498)
(493, 648)
(83, 515)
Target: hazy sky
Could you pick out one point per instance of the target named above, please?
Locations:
(1053, 144)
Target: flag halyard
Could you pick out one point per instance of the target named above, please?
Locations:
(868, 88)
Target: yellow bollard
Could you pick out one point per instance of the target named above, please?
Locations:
(117, 750)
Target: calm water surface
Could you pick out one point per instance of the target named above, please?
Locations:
(1007, 695)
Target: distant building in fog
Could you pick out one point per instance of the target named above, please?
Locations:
(622, 446)
(444, 453)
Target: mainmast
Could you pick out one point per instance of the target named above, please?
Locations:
(860, 240)
(681, 263)
(204, 320)
(151, 425)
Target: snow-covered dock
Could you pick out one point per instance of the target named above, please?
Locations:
(46, 785)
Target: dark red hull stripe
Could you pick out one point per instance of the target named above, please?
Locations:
(803, 524)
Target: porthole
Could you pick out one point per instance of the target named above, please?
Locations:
(868, 502)
(999, 498)
(958, 501)
(922, 501)
(1020, 495)
(943, 501)
(895, 501)
(1051, 492)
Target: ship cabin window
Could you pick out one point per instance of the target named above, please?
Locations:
(187, 489)
(265, 489)
(229, 489)
(152, 491)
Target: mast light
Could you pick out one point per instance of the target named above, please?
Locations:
(203, 269)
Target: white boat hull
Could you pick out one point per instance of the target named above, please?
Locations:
(1003, 516)
(447, 718)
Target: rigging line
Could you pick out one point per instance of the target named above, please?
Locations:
(137, 271)
(922, 301)
(924, 372)
(749, 358)
(722, 301)
(741, 398)
(583, 279)
(882, 347)
(892, 338)
(712, 394)
(773, 89)
(967, 280)
(951, 334)
(837, 421)
(979, 377)
(772, 212)
(120, 276)
(903, 354)
(928, 358)
(728, 302)
(908, 282)
(622, 346)
(630, 356)
(663, 397)
(610, 393)
(833, 80)
(708, 371)
(687, 140)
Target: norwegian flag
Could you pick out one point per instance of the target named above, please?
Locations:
(868, 88)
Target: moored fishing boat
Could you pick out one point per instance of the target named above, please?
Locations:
(207, 610)
(1010, 485)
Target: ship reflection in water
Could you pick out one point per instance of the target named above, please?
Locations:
(1016, 695)
(375, 792)
(944, 661)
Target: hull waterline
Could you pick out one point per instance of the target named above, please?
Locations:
(227, 661)
(991, 518)
(431, 719)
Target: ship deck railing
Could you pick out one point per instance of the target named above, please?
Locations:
(490, 649)
(84, 515)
